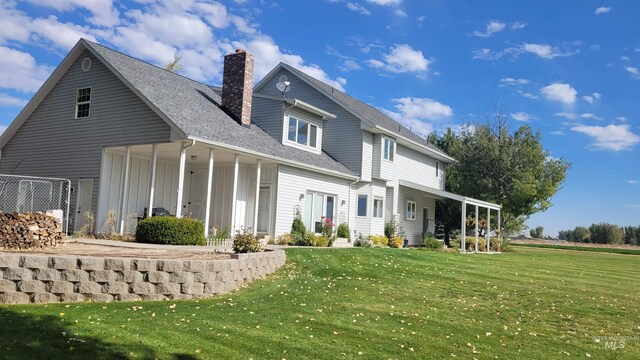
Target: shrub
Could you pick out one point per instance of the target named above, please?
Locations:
(396, 242)
(246, 242)
(170, 230)
(312, 239)
(379, 240)
(362, 241)
(343, 231)
(327, 227)
(482, 244)
(285, 239)
(390, 229)
(431, 243)
(297, 227)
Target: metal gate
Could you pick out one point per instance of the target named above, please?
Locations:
(30, 193)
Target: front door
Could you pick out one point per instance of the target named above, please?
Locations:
(264, 210)
(197, 194)
(425, 221)
(83, 201)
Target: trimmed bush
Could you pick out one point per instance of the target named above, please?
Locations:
(343, 231)
(482, 244)
(362, 241)
(379, 240)
(396, 242)
(285, 239)
(390, 229)
(432, 243)
(298, 231)
(170, 230)
(312, 239)
(246, 242)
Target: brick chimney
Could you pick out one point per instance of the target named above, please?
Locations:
(237, 85)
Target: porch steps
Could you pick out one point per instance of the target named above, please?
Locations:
(342, 243)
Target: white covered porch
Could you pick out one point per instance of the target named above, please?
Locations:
(465, 202)
(193, 179)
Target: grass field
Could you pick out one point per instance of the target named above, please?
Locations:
(611, 250)
(364, 304)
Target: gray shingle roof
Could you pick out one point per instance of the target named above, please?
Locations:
(365, 111)
(195, 109)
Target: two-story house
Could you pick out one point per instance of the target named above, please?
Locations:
(135, 139)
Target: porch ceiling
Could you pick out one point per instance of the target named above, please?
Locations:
(197, 154)
(441, 194)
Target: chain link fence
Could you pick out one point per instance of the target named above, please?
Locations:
(29, 194)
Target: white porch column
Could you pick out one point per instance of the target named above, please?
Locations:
(257, 201)
(125, 189)
(488, 229)
(499, 229)
(236, 165)
(463, 232)
(152, 184)
(207, 210)
(181, 167)
(476, 228)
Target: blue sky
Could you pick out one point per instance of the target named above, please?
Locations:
(568, 68)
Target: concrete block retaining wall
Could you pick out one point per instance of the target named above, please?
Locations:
(50, 279)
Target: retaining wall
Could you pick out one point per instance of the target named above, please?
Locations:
(49, 279)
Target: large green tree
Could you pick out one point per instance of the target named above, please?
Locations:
(502, 166)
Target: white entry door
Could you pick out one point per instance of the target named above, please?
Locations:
(197, 194)
(83, 201)
(264, 210)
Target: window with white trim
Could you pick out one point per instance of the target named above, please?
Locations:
(437, 168)
(302, 132)
(362, 205)
(83, 102)
(377, 207)
(411, 210)
(388, 148)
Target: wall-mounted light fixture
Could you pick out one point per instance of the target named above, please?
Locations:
(301, 196)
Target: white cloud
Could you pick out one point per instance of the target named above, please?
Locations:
(567, 115)
(590, 116)
(602, 10)
(610, 137)
(400, 13)
(385, 2)
(557, 132)
(593, 98)
(8, 100)
(563, 93)
(62, 35)
(358, 8)
(402, 59)
(15, 24)
(522, 116)
(2, 128)
(103, 11)
(513, 82)
(418, 114)
(518, 25)
(634, 71)
(544, 51)
(492, 27)
(621, 118)
(20, 71)
(632, 182)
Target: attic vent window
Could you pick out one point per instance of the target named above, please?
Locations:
(83, 102)
(86, 64)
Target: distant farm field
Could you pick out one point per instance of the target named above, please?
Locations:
(533, 303)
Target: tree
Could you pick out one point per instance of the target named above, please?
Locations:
(537, 232)
(581, 234)
(175, 65)
(496, 164)
(606, 234)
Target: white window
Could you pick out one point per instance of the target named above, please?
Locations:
(437, 168)
(303, 133)
(377, 208)
(83, 102)
(411, 210)
(389, 146)
(362, 205)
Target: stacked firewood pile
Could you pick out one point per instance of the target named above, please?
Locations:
(29, 230)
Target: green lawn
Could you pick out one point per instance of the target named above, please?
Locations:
(582, 248)
(363, 304)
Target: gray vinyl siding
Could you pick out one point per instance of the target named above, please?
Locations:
(342, 136)
(413, 228)
(292, 182)
(54, 144)
(367, 156)
(268, 114)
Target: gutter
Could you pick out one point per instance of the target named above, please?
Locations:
(349, 207)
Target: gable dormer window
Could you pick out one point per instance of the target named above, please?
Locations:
(389, 147)
(302, 132)
(83, 102)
